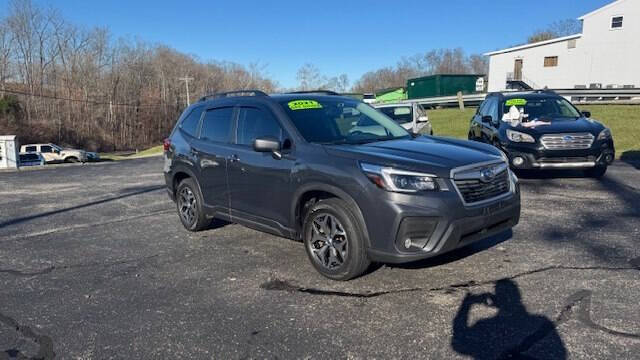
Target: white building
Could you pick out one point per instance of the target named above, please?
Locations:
(606, 54)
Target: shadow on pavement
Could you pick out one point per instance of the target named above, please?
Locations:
(81, 206)
(510, 333)
(631, 157)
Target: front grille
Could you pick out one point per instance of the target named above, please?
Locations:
(475, 190)
(567, 141)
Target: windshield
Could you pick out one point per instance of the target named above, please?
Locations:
(537, 108)
(401, 114)
(333, 121)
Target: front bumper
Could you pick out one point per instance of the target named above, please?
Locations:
(534, 156)
(435, 224)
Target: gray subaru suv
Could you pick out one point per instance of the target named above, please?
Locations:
(303, 166)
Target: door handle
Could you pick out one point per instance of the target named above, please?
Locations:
(233, 158)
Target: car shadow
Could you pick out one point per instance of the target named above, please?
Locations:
(508, 334)
(23, 219)
(457, 254)
(631, 157)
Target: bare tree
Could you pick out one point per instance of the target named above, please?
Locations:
(555, 30)
(309, 77)
(80, 87)
(439, 61)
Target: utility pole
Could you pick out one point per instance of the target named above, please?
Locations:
(186, 80)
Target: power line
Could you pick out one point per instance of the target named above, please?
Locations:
(16, 92)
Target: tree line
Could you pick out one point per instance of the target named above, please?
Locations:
(66, 84)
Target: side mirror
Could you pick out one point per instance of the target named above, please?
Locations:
(487, 119)
(423, 118)
(586, 114)
(268, 144)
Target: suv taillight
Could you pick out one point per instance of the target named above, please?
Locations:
(166, 144)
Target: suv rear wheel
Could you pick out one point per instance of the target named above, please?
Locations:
(189, 203)
(334, 241)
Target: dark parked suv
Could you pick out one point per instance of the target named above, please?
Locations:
(299, 165)
(542, 130)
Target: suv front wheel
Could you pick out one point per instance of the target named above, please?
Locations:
(334, 241)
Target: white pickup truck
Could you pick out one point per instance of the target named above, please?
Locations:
(53, 153)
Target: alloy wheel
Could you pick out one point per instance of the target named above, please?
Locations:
(328, 241)
(187, 205)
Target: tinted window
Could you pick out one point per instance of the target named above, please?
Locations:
(30, 149)
(616, 22)
(492, 110)
(216, 124)
(190, 123)
(46, 149)
(254, 123)
(29, 157)
(482, 110)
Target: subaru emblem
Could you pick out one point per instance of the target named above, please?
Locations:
(567, 138)
(487, 174)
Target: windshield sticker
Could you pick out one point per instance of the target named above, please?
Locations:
(516, 102)
(304, 104)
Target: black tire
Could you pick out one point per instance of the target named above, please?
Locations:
(596, 172)
(356, 261)
(189, 206)
(71, 159)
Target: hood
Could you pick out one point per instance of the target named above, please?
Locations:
(434, 155)
(564, 125)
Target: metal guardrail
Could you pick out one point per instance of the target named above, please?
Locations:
(583, 96)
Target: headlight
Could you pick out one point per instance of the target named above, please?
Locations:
(392, 179)
(604, 134)
(517, 136)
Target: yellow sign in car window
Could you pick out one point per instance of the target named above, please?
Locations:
(516, 102)
(304, 104)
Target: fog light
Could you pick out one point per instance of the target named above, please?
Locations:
(407, 243)
(608, 158)
(518, 161)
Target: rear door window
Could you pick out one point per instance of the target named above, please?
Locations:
(190, 123)
(30, 149)
(254, 123)
(216, 125)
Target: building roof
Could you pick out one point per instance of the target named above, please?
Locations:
(601, 9)
(528, 46)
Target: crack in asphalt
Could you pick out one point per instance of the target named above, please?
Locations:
(74, 266)
(578, 304)
(283, 285)
(45, 344)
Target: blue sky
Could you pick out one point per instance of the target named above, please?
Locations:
(347, 36)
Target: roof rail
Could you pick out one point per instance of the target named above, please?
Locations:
(249, 92)
(325, 92)
(544, 91)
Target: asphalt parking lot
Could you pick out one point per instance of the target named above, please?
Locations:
(94, 264)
